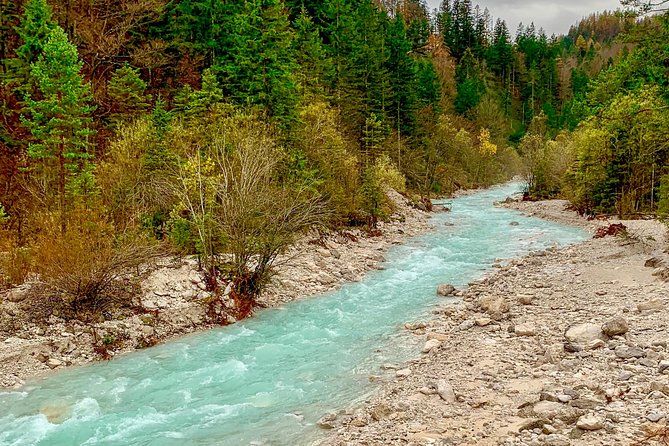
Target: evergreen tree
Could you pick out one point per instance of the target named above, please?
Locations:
(60, 122)
(403, 80)
(360, 53)
(199, 101)
(36, 25)
(9, 16)
(314, 63)
(127, 93)
(429, 85)
(258, 65)
(500, 54)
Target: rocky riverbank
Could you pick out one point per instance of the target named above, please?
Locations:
(562, 347)
(175, 301)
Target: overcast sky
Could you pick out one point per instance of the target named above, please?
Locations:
(555, 17)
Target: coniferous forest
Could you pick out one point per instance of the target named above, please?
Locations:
(132, 128)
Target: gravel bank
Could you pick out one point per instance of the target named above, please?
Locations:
(173, 294)
(562, 347)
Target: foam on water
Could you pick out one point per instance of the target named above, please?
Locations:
(270, 378)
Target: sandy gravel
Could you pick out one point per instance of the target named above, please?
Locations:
(562, 347)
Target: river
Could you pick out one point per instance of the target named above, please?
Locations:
(267, 380)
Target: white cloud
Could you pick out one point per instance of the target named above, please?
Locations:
(554, 17)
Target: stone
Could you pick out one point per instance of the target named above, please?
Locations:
(56, 414)
(415, 326)
(590, 423)
(466, 325)
(659, 387)
(647, 362)
(553, 353)
(380, 411)
(445, 289)
(615, 327)
(663, 367)
(147, 330)
(547, 409)
(17, 295)
(425, 390)
(625, 376)
(525, 299)
(547, 396)
(445, 390)
(625, 352)
(653, 262)
(334, 253)
(483, 321)
(564, 398)
(438, 336)
(525, 330)
(496, 307)
(584, 403)
(403, 373)
(531, 424)
(430, 345)
(594, 345)
(651, 305)
(584, 333)
(328, 421)
(53, 363)
(654, 417)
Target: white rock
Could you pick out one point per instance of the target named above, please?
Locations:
(590, 423)
(53, 363)
(431, 345)
(525, 330)
(584, 333)
(403, 372)
(445, 391)
(663, 367)
(651, 305)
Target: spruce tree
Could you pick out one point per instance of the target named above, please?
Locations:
(314, 63)
(127, 93)
(403, 80)
(59, 120)
(258, 65)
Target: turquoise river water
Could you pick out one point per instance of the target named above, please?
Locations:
(267, 380)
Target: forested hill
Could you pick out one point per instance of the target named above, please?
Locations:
(231, 126)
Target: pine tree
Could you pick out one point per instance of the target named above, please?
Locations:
(127, 92)
(59, 119)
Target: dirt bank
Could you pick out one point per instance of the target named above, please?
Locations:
(562, 347)
(175, 301)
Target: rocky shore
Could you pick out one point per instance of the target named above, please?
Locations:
(175, 301)
(562, 347)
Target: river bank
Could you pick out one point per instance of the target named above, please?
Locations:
(562, 347)
(173, 296)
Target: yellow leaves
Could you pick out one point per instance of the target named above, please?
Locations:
(486, 147)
